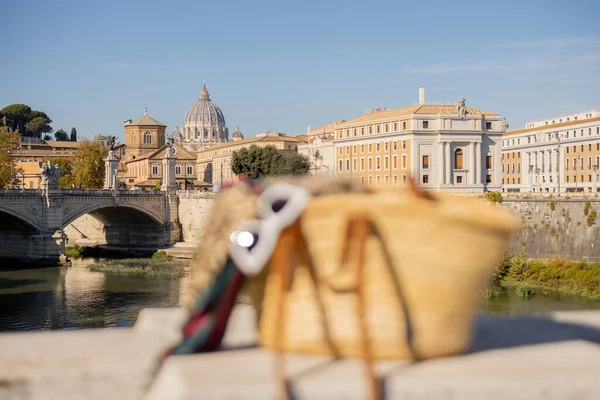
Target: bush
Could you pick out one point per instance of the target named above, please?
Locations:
(591, 219)
(161, 255)
(586, 208)
(552, 206)
(75, 251)
(495, 197)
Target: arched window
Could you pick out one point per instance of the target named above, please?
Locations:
(458, 159)
(147, 138)
(133, 138)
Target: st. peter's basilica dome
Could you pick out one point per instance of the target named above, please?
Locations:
(204, 124)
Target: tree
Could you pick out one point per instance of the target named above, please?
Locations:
(255, 162)
(66, 180)
(61, 136)
(20, 117)
(47, 137)
(88, 165)
(73, 134)
(291, 164)
(9, 173)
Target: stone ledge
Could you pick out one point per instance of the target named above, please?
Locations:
(517, 358)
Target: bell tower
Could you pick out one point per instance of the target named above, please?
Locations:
(143, 135)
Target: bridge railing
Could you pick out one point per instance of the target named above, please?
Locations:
(20, 191)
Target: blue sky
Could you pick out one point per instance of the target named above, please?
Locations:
(283, 65)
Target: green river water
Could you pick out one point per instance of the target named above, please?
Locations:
(73, 297)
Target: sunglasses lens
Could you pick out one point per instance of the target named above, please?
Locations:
(278, 205)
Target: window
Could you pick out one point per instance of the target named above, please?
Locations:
(347, 132)
(387, 128)
(189, 170)
(395, 145)
(353, 149)
(458, 159)
(362, 164)
(395, 179)
(589, 162)
(488, 162)
(386, 146)
(518, 168)
(362, 179)
(425, 124)
(590, 147)
(347, 164)
(567, 164)
(403, 161)
(340, 151)
(589, 178)
(147, 138)
(354, 132)
(581, 147)
(370, 163)
(395, 162)
(155, 169)
(581, 163)
(488, 125)
(340, 166)
(378, 163)
(386, 162)
(404, 128)
(347, 149)
(519, 180)
(404, 145)
(378, 179)
(370, 131)
(362, 148)
(386, 179)
(354, 164)
(488, 179)
(370, 180)
(459, 179)
(362, 131)
(403, 178)
(378, 129)
(396, 130)
(370, 148)
(425, 178)
(377, 147)
(567, 179)
(178, 170)
(425, 162)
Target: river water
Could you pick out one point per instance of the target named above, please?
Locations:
(74, 298)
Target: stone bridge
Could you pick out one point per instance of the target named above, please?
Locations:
(33, 222)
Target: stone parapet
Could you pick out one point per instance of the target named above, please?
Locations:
(529, 358)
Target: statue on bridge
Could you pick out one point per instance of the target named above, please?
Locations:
(170, 149)
(50, 176)
(111, 142)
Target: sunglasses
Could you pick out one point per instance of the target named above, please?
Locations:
(252, 244)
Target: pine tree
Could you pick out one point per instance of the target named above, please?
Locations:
(73, 134)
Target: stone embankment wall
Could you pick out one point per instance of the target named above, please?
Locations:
(557, 227)
(194, 208)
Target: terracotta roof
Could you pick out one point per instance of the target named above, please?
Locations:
(182, 154)
(57, 144)
(146, 120)
(412, 110)
(552, 126)
(252, 140)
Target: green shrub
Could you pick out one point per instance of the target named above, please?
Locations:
(586, 208)
(552, 206)
(161, 255)
(75, 251)
(591, 219)
(495, 197)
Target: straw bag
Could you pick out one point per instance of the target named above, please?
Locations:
(420, 271)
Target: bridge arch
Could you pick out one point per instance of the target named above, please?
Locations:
(28, 219)
(118, 225)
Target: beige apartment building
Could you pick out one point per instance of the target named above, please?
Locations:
(214, 163)
(561, 154)
(451, 148)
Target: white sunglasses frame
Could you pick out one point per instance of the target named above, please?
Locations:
(268, 227)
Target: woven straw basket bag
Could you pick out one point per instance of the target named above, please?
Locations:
(423, 266)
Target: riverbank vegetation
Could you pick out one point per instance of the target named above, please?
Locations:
(528, 276)
(142, 266)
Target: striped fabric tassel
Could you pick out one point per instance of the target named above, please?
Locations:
(207, 319)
